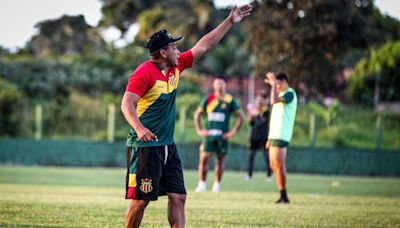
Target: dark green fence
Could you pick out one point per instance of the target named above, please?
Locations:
(303, 160)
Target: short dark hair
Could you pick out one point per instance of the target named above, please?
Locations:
(282, 76)
(222, 78)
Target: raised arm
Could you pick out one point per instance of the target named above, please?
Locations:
(274, 97)
(211, 39)
(128, 108)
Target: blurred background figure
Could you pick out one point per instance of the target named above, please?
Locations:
(284, 105)
(258, 115)
(218, 106)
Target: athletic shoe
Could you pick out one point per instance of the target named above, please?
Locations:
(247, 177)
(283, 200)
(201, 187)
(268, 179)
(216, 187)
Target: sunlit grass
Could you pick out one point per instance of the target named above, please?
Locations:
(83, 197)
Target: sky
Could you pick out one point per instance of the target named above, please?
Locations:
(18, 17)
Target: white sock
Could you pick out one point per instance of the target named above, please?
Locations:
(216, 187)
(202, 184)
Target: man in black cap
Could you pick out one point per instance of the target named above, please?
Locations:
(154, 168)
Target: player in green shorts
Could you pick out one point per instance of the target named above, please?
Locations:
(218, 106)
(284, 104)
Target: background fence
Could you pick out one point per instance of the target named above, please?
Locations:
(303, 160)
(315, 126)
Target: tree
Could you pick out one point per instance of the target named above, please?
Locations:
(306, 37)
(10, 98)
(123, 14)
(67, 36)
(191, 18)
(385, 63)
(228, 59)
(3, 51)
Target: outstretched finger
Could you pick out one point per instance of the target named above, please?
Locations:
(246, 7)
(246, 11)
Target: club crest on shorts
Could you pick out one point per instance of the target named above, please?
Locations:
(146, 185)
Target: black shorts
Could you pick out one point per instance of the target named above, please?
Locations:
(257, 144)
(152, 172)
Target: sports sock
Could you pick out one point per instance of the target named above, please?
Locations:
(202, 184)
(283, 193)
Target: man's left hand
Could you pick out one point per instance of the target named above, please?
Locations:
(270, 78)
(229, 135)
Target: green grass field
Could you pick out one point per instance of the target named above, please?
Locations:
(93, 197)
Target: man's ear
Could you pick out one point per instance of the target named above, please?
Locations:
(163, 53)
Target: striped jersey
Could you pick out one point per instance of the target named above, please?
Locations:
(156, 106)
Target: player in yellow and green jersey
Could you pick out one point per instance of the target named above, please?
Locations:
(154, 167)
(218, 107)
(284, 104)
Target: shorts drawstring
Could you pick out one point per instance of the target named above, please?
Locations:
(166, 154)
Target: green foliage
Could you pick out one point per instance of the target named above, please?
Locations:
(189, 83)
(189, 18)
(307, 38)
(384, 62)
(188, 101)
(228, 59)
(351, 128)
(328, 114)
(123, 13)
(45, 79)
(356, 128)
(310, 47)
(3, 51)
(10, 98)
(66, 36)
(38, 79)
(77, 116)
(127, 58)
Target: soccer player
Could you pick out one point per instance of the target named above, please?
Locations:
(218, 106)
(284, 104)
(259, 122)
(148, 105)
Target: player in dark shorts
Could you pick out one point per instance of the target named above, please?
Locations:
(259, 121)
(218, 107)
(148, 105)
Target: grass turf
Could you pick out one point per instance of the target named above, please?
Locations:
(93, 197)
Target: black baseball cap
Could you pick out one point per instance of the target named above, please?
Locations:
(160, 39)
